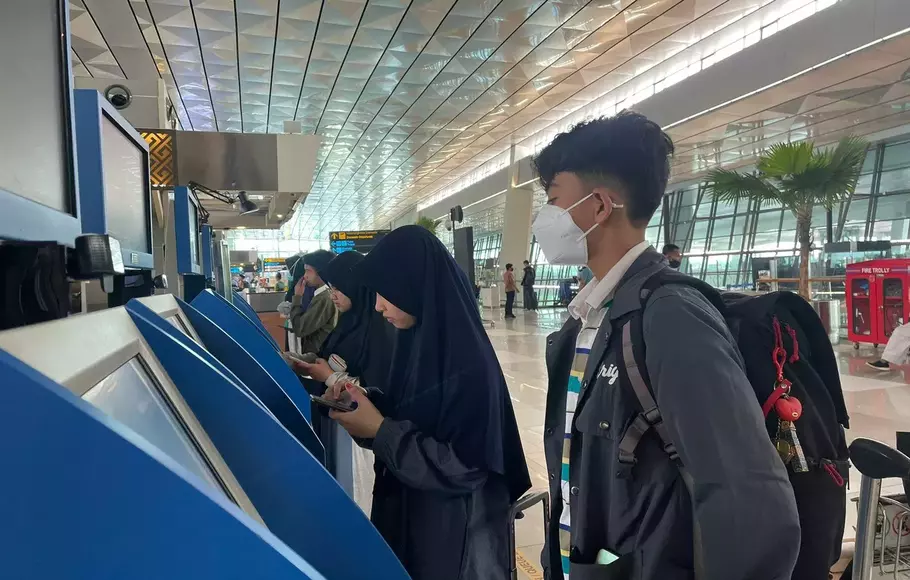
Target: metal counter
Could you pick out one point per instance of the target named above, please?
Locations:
(265, 301)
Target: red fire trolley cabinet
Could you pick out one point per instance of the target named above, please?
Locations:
(877, 299)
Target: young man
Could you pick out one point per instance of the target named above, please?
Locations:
(527, 285)
(719, 505)
(673, 255)
(508, 282)
(313, 324)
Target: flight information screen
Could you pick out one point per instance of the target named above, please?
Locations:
(131, 395)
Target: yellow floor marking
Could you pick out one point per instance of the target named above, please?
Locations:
(527, 567)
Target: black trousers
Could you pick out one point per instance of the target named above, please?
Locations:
(510, 302)
(530, 299)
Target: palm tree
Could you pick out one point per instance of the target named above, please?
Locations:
(428, 223)
(798, 176)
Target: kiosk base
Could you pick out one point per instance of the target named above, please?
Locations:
(193, 285)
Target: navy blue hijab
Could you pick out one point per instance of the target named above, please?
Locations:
(445, 377)
(362, 338)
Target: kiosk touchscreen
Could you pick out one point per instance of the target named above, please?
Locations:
(117, 372)
(83, 496)
(38, 183)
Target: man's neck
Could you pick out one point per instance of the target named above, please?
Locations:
(609, 254)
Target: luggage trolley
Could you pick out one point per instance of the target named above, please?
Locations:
(883, 522)
(517, 512)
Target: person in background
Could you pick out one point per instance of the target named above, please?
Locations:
(585, 275)
(527, 285)
(707, 495)
(280, 286)
(673, 255)
(508, 282)
(313, 325)
(449, 461)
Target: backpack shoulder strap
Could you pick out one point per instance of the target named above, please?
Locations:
(649, 416)
(633, 356)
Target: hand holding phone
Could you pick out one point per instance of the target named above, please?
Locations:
(336, 405)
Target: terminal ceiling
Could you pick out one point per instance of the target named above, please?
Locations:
(414, 97)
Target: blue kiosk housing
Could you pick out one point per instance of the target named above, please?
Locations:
(114, 184)
(188, 238)
(189, 429)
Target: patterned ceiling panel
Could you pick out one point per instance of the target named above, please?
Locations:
(414, 99)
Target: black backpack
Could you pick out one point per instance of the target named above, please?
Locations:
(785, 322)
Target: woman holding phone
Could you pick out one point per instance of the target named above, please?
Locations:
(448, 453)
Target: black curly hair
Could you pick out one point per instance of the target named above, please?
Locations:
(627, 152)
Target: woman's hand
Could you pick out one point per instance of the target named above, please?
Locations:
(300, 287)
(364, 421)
(319, 370)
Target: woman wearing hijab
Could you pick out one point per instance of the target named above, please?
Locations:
(361, 337)
(449, 457)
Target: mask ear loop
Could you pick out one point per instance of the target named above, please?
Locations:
(613, 205)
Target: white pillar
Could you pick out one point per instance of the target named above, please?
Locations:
(516, 229)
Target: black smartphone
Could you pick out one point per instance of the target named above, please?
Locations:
(337, 405)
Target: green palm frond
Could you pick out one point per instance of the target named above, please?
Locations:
(786, 159)
(427, 223)
(796, 174)
(727, 185)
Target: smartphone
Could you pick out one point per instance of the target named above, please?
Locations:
(337, 405)
(308, 358)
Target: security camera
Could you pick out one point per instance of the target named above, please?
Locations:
(119, 96)
(449, 224)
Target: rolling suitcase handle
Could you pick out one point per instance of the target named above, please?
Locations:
(516, 512)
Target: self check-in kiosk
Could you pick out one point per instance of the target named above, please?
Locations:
(146, 376)
(115, 191)
(234, 342)
(188, 237)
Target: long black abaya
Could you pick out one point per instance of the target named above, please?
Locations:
(449, 453)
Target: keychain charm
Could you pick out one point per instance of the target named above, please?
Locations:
(797, 460)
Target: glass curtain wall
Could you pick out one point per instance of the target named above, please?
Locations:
(723, 242)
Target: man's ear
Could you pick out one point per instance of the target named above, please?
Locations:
(604, 205)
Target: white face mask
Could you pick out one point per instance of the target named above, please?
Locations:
(561, 240)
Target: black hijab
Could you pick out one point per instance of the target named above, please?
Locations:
(450, 384)
(361, 337)
(295, 267)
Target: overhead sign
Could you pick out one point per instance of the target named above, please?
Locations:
(361, 242)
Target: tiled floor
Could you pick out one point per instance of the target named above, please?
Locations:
(879, 405)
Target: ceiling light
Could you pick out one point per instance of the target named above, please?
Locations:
(279, 215)
(241, 227)
(246, 206)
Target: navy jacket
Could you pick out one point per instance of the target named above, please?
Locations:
(742, 501)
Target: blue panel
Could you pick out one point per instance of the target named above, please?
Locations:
(207, 268)
(182, 229)
(27, 220)
(82, 496)
(244, 307)
(247, 364)
(297, 498)
(90, 107)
